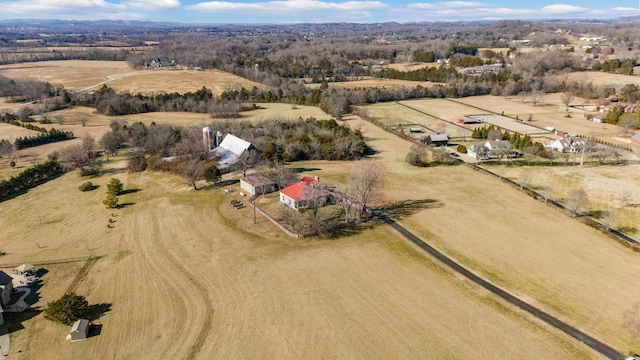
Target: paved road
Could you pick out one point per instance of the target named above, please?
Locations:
(593, 343)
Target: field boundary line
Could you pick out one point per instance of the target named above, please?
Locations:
(274, 221)
(433, 116)
(620, 237)
(48, 262)
(84, 270)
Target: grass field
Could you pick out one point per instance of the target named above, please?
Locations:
(543, 256)
(373, 83)
(187, 276)
(79, 75)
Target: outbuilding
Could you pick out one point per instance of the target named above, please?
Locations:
(635, 139)
(25, 269)
(79, 330)
(257, 184)
(436, 140)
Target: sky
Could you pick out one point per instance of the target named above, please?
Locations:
(313, 11)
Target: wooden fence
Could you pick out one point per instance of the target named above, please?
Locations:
(274, 221)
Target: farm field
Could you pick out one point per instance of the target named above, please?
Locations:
(78, 75)
(543, 256)
(602, 79)
(393, 114)
(610, 188)
(187, 276)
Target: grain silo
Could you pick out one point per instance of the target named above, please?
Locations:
(218, 138)
(206, 138)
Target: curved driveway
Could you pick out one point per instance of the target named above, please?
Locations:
(593, 343)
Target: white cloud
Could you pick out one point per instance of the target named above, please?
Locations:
(447, 5)
(154, 4)
(288, 6)
(562, 9)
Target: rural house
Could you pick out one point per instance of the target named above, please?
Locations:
(79, 330)
(436, 140)
(304, 194)
(568, 144)
(6, 288)
(257, 185)
(492, 150)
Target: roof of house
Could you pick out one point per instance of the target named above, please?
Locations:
(439, 137)
(257, 180)
(5, 278)
(80, 325)
(305, 189)
(498, 144)
(25, 267)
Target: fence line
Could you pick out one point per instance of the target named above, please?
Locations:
(274, 221)
(626, 240)
(47, 262)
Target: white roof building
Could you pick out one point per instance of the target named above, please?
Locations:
(230, 149)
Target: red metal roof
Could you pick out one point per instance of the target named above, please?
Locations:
(304, 189)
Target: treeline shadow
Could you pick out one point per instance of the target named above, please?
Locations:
(405, 208)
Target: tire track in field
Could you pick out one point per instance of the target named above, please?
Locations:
(160, 246)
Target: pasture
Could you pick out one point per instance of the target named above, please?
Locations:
(78, 75)
(516, 241)
(188, 276)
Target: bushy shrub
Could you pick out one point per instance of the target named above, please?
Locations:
(461, 149)
(86, 186)
(69, 308)
(115, 187)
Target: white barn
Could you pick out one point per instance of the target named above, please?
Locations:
(229, 150)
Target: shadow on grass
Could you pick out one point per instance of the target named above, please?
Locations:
(402, 209)
(13, 321)
(227, 183)
(130, 191)
(96, 311)
(303, 169)
(124, 205)
(94, 330)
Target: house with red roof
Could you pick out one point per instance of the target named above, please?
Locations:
(305, 194)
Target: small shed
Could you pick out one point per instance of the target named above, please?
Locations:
(257, 184)
(436, 140)
(79, 330)
(25, 269)
(415, 130)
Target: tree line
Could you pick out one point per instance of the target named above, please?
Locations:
(29, 178)
(47, 137)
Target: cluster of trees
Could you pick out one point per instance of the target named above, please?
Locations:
(50, 136)
(19, 90)
(617, 66)
(468, 49)
(29, 178)
(81, 156)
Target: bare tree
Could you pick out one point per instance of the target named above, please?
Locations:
(577, 200)
(247, 161)
(628, 122)
(530, 152)
(494, 134)
(536, 96)
(283, 175)
(566, 99)
(111, 142)
(366, 182)
(193, 171)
